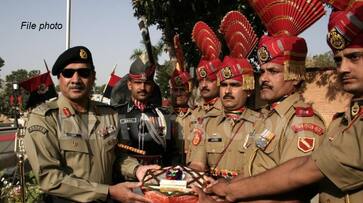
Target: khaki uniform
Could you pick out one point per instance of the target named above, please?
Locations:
(183, 130)
(291, 129)
(73, 155)
(222, 145)
(340, 158)
(198, 118)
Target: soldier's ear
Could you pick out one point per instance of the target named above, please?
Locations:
(129, 85)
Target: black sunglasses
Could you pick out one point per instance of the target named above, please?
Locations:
(83, 72)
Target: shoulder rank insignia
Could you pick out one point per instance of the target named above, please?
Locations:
(307, 127)
(67, 113)
(355, 109)
(264, 139)
(37, 128)
(200, 120)
(304, 111)
(197, 136)
(306, 144)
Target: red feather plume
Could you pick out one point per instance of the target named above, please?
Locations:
(238, 33)
(206, 40)
(179, 52)
(288, 17)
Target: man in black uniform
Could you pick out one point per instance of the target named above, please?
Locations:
(144, 129)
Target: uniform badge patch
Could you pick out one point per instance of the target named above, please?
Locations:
(308, 127)
(197, 137)
(264, 139)
(306, 144)
(67, 112)
(37, 128)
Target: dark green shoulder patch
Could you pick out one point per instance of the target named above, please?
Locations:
(37, 128)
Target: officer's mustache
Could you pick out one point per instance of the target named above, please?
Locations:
(204, 89)
(76, 86)
(141, 92)
(228, 96)
(265, 85)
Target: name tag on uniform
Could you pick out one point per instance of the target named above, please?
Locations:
(73, 135)
(128, 120)
(215, 138)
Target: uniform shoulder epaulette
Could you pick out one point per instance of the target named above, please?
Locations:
(44, 108)
(338, 115)
(164, 110)
(252, 115)
(101, 104)
(120, 107)
(303, 109)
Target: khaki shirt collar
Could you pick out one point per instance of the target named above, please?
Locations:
(283, 107)
(184, 115)
(216, 106)
(247, 115)
(92, 111)
(64, 103)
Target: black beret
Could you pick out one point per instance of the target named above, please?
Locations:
(78, 54)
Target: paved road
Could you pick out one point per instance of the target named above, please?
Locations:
(7, 154)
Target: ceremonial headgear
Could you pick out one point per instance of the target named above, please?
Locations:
(210, 46)
(78, 54)
(341, 4)
(345, 28)
(284, 20)
(141, 71)
(180, 76)
(241, 39)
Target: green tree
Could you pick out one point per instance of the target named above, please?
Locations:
(321, 71)
(14, 77)
(2, 62)
(173, 17)
(162, 78)
(324, 60)
(99, 89)
(157, 51)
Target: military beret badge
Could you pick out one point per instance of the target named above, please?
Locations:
(336, 40)
(263, 54)
(203, 73)
(226, 72)
(83, 54)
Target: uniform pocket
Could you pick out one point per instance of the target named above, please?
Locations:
(214, 147)
(110, 142)
(76, 155)
(74, 145)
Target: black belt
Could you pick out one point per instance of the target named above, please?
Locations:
(149, 159)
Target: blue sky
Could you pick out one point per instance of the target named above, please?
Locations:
(108, 29)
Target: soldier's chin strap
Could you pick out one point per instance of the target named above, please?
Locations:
(158, 135)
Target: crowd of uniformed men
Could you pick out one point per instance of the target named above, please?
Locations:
(86, 151)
